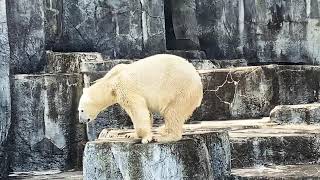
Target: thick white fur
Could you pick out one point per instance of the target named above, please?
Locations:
(161, 83)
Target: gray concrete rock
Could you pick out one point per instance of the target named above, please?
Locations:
(59, 62)
(218, 29)
(117, 29)
(5, 98)
(27, 35)
(280, 31)
(296, 114)
(188, 54)
(200, 155)
(288, 172)
(249, 92)
(278, 145)
(45, 128)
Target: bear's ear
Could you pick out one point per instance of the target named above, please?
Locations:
(113, 93)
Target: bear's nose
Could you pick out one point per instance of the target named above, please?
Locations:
(88, 120)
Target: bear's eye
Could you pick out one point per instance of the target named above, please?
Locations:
(81, 110)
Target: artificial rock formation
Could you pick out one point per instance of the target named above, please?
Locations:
(26, 35)
(5, 101)
(117, 29)
(296, 114)
(253, 91)
(45, 131)
(199, 155)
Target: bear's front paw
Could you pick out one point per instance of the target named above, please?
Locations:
(132, 135)
(146, 140)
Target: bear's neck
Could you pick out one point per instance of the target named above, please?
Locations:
(101, 95)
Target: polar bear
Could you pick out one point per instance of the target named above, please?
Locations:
(162, 83)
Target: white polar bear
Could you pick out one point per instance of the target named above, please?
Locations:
(162, 83)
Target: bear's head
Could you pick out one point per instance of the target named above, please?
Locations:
(94, 100)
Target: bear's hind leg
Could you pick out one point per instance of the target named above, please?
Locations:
(175, 115)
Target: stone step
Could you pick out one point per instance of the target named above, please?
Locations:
(288, 172)
(296, 114)
(46, 133)
(259, 142)
(199, 155)
(278, 145)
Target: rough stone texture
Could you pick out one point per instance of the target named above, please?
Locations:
(57, 62)
(102, 66)
(296, 114)
(278, 145)
(280, 31)
(289, 172)
(200, 155)
(184, 24)
(218, 29)
(153, 27)
(117, 29)
(188, 54)
(45, 131)
(5, 101)
(27, 35)
(249, 92)
(50, 174)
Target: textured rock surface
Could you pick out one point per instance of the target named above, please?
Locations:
(5, 101)
(218, 29)
(296, 114)
(46, 132)
(50, 174)
(278, 145)
(117, 29)
(253, 91)
(289, 172)
(27, 35)
(200, 155)
(57, 62)
(262, 32)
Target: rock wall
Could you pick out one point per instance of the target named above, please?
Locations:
(5, 102)
(26, 35)
(46, 133)
(117, 29)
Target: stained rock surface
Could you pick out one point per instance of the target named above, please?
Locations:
(296, 114)
(199, 155)
(5, 97)
(45, 132)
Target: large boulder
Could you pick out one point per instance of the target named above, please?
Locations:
(27, 35)
(5, 101)
(296, 114)
(253, 91)
(199, 155)
(46, 133)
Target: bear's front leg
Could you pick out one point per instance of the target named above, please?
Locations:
(141, 119)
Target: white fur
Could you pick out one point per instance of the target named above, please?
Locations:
(162, 83)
